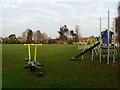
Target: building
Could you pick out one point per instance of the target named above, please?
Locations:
(118, 29)
(117, 21)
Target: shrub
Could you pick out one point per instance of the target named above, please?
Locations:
(11, 41)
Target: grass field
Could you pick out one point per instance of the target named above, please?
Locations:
(59, 71)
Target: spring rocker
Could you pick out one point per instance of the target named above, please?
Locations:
(31, 63)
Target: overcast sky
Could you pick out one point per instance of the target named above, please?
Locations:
(48, 15)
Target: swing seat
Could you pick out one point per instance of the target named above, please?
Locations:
(38, 63)
(32, 62)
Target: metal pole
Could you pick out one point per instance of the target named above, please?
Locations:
(29, 54)
(100, 39)
(108, 57)
(35, 53)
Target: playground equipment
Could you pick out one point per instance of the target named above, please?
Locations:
(92, 44)
(32, 63)
(82, 53)
(106, 45)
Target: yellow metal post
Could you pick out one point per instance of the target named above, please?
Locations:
(29, 51)
(29, 54)
(35, 52)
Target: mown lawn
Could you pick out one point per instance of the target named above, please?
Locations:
(59, 71)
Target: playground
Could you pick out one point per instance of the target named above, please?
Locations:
(70, 60)
(59, 71)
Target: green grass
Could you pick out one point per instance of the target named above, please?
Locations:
(59, 71)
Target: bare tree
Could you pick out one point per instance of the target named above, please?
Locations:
(38, 36)
(24, 35)
(29, 36)
(77, 29)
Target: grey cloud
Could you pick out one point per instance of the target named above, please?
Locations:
(48, 16)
